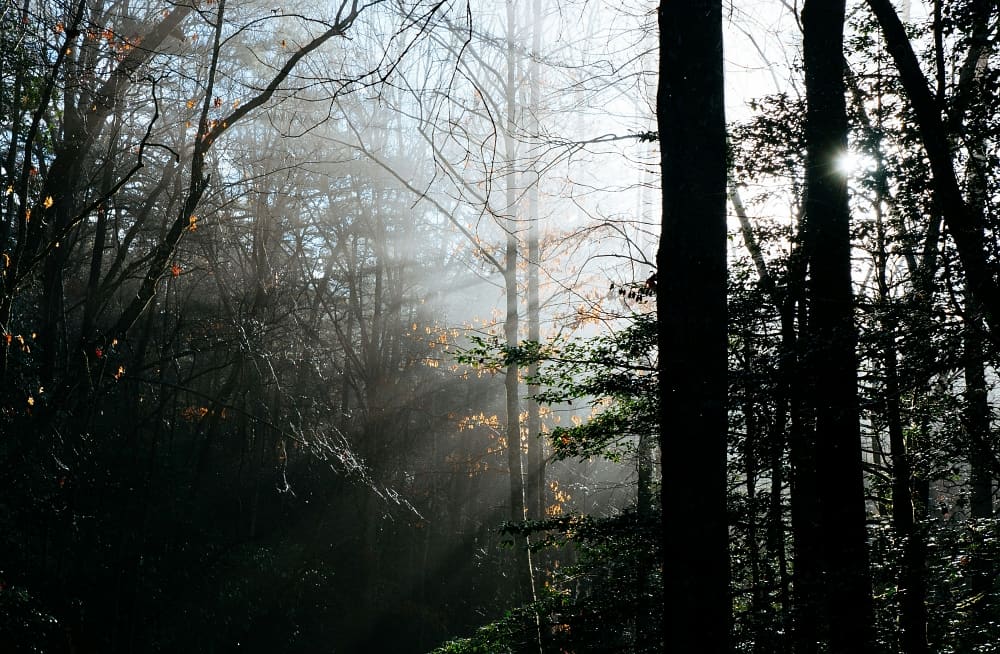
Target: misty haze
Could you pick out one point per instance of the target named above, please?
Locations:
(453, 326)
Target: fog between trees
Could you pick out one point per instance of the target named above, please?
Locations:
(282, 283)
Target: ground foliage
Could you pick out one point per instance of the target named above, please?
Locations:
(609, 597)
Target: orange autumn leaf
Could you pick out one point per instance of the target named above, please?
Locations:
(175, 270)
(48, 202)
(192, 223)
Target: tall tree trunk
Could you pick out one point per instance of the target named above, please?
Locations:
(977, 409)
(776, 509)
(832, 369)
(910, 583)
(536, 459)
(750, 446)
(977, 424)
(806, 529)
(692, 334)
(806, 541)
(977, 419)
(15, 115)
(788, 405)
(523, 573)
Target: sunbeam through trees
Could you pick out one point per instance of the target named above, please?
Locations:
(454, 326)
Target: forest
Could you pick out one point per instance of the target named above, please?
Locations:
(499, 326)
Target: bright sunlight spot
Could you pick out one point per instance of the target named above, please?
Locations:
(851, 163)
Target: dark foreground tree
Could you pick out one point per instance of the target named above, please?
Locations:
(691, 310)
(832, 338)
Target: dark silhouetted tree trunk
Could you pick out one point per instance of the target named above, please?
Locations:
(911, 587)
(787, 413)
(751, 444)
(807, 539)
(977, 426)
(977, 407)
(831, 356)
(691, 310)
